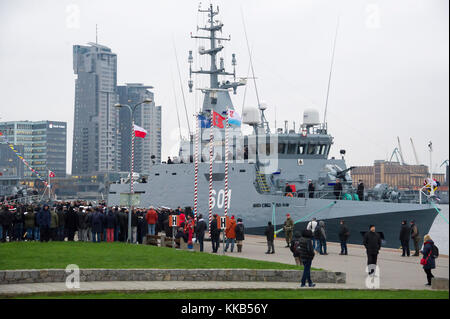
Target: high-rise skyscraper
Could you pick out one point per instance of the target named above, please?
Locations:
(44, 145)
(96, 138)
(148, 116)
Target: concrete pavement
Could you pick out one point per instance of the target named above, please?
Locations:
(395, 272)
(143, 286)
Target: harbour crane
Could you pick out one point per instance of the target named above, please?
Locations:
(414, 151)
(400, 151)
(396, 152)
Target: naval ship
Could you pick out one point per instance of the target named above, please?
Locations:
(261, 164)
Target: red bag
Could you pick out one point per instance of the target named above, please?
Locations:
(424, 261)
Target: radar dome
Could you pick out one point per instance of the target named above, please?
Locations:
(263, 106)
(311, 117)
(251, 116)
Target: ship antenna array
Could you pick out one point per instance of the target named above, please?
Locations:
(331, 71)
(216, 47)
(182, 90)
(262, 108)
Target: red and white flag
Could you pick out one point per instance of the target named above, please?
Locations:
(139, 131)
(51, 174)
(218, 120)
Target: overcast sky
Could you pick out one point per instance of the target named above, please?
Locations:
(390, 77)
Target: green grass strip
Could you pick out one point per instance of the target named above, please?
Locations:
(57, 255)
(255, 294)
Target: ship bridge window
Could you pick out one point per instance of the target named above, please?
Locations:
(313, 149)
(264, 149)
(323, 149)
(281, 148)
(302, 148)
(292, 148)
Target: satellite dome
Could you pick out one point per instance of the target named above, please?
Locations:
(251, 116)
(263, 105)
(311, 117)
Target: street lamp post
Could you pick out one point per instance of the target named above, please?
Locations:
(132, 110)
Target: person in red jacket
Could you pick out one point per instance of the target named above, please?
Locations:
(189, 230)
(230, 232)
(152, 218)
(182, 219)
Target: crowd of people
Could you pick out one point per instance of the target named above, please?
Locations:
(85, 222)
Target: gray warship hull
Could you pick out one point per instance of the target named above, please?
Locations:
(173, 185)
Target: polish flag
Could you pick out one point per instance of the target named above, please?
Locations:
(139, 131)
(51, 174)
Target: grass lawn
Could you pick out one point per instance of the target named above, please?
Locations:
(57, 255)
(256, 294)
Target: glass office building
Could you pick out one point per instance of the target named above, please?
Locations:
(44, 145)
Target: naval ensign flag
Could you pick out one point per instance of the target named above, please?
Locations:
(139, 131)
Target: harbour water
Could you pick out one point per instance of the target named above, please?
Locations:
(439, 230)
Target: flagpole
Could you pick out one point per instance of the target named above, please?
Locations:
(48, 186)
(131, 178)
(226, 166)
(211, 158)
(196, 169)
(132, 110)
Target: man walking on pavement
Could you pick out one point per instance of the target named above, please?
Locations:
(372, 242)
(288, 229)
(404, 238)
(312, 227)
(415, 237)
(270, 235)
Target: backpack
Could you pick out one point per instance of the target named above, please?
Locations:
(434, 251)
(296, 248)
(317, 231)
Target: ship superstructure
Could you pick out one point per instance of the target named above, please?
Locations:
(261, 164)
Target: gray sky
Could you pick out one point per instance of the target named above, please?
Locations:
(390, 77)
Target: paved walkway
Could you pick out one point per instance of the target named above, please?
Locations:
(141, 286)
(396, 272)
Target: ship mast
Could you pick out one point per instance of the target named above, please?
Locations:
(216, 96)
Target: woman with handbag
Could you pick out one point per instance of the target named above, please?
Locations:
(428, 259)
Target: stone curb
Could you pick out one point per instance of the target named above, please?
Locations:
(89, 275)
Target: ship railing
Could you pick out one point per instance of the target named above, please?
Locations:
(23, 200)
(423, 192)
(305, 194)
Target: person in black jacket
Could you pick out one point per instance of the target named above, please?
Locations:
(1, 223)
(287, 190)
(360, 190)
(338, 189)
(215, 234)
(344, 233)
(404, 238)
(240, 234)
(270, 235)
(71, 224)
(372, 242)
(200, 229)
(311, 189)
(123, 221)
(18, 221)
(60, 231)
(7, 224)
(306, 256)
(295, 248)
(134, 224)
(110, 226)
